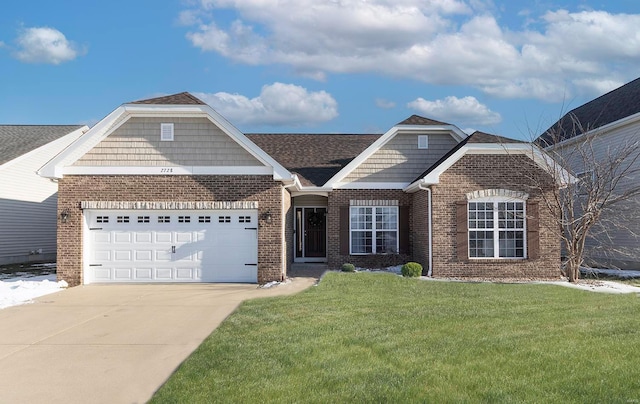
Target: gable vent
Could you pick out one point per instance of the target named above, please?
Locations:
(423, 142)
(166, 132)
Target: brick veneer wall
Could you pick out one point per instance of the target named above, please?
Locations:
(340, 198)
(72, 190)
(477, 172)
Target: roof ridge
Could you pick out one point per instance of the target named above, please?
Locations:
(183, 98)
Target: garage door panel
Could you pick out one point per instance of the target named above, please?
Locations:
(163, 274)
(122, 274)
(122, 255)
(144, 274)
(143, 255)
(163, 237)
(172, 246)
(122, 237)
(163, 256)
(143, 237)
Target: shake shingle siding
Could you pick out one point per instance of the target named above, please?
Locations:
(400, 160)
(197, 142)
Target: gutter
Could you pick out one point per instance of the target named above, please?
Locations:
(422, 187)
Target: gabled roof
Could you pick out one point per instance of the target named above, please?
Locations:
(171, 106)
(420, 120)
(16, 140)
(608, 108)
(481, 142)
(315, 158)
(183, 98)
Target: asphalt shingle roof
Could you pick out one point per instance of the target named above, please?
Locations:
(314, 157)
(16, 140)
(615, 105)
(183, 98)
(420, 120)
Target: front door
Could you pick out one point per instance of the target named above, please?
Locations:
(311, 228)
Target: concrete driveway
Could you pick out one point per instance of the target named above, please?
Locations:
(111, 343)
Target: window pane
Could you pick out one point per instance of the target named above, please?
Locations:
(511, 244)
(361, 242)
(480, 215)
(386, 242)
(480, 244)
(361, 218)
(386, 218)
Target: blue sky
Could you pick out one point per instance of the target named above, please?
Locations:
(334, 66)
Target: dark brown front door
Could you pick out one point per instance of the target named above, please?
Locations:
(312, 237)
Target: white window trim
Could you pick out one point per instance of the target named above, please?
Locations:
(496, 230)
(373, 229)
(423, 141)
(166, 132)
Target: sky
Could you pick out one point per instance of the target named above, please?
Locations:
(505, 67)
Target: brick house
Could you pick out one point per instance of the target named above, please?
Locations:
(167, 190)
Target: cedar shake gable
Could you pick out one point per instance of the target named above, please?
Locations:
(611, 107)
(315, 158)
(16, 140)
(420, 120)
(183, 98)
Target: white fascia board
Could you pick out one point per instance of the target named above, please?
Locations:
(317, 192)
(54, 168)
(371, 185)
(457, 134)
(167, 170)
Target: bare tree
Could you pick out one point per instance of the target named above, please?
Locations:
(601, 195)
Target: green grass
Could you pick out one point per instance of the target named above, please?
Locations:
(382, 338)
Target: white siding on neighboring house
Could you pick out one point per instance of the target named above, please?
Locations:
(618, 245)
(400, 160)
(28, 205)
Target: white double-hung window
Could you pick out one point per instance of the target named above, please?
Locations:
(496, 229)
(373, 229)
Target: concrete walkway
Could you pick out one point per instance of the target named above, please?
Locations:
(112, 343)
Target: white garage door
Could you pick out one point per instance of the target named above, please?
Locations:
(171, 246)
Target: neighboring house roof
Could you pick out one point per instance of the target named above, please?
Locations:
(16, 140)
(183, 98)
(611, 107)
(315, 158)
(420, 120)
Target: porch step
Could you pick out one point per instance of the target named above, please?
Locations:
(314, 270)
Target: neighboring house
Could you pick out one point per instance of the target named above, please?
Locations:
(601, 127)
(167, 190)
(28, 201)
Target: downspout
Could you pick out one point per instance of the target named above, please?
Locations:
(422, 187)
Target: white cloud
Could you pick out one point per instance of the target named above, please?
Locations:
(385, 104)
(466, 110)
(45, 45)
(277, 104)
(555, 55)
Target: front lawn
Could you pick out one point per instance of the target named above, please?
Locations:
(381, 338)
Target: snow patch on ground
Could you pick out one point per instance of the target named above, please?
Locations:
(272, 284)
(599, 286)
(21, 290)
